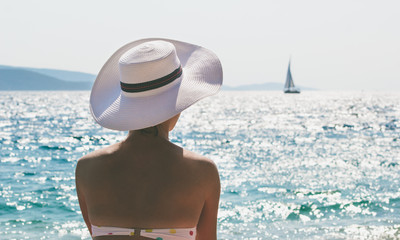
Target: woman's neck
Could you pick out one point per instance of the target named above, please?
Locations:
(159, 131)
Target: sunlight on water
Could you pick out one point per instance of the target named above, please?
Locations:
(319, 165)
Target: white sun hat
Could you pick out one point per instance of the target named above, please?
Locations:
(148, 81)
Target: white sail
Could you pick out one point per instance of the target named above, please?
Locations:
(289, 84)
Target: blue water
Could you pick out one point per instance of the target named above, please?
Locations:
(319, 165)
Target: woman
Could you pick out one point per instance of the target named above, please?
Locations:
(145, 187)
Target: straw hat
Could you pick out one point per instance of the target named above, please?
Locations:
(148, 81)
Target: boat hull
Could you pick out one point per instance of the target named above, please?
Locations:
(291, 91)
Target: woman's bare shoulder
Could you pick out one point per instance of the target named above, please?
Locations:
(99, 153)
(206, 172)
(205, 165)
(200, 159)
(93, 158)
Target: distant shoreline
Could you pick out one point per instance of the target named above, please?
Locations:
(14, 78)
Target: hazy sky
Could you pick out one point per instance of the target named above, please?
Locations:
(341, 44)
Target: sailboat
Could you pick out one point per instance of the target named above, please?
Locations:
(289, 84)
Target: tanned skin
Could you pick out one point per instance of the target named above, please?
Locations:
(147, 182)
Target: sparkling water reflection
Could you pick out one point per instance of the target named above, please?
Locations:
(319, 165)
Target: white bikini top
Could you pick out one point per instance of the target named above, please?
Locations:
(158, 234)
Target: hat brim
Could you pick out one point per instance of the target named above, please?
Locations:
(202, 77)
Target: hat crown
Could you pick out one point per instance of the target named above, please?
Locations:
(147, 62)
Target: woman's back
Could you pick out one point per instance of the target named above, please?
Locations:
(146, 182)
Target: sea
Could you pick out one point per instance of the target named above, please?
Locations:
(315, 165)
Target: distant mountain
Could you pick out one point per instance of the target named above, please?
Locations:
(70, 76)
(269, 86)
(20, 78)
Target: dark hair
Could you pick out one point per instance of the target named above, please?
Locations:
(149, 131)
